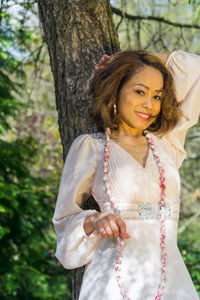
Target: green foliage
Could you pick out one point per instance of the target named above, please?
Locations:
(191, 258)
(156, 35)
(9, 67)
(28, 267)
(194, 1)
(34, 284)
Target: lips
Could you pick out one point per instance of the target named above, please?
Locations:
(143, 116)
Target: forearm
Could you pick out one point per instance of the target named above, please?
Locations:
(162, 56)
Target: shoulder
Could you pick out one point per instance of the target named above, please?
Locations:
(82, 150)
(88, 138)
(86, 142)
(163, 146)
(166, 148)
(161, 142)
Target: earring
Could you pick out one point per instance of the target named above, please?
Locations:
(115, 109)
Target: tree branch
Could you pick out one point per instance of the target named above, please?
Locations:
(189, 221)
(152, 18)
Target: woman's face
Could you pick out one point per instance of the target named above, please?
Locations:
(139, 101)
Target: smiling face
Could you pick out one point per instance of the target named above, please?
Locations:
(139, 100)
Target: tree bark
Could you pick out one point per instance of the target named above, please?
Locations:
(77, 33)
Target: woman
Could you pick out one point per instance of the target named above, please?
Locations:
(130, 247)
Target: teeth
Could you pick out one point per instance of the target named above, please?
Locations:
(144, 116)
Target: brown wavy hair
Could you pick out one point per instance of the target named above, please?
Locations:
(108, 81)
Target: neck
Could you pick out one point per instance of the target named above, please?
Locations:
(126, 131)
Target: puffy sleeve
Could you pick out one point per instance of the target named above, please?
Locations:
(185, 69)
(74, 247)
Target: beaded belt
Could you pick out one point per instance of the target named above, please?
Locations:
(134, 210)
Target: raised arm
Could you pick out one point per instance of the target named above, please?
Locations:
(162, 56)
(185, 70)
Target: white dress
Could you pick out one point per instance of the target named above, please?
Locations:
(137, 191)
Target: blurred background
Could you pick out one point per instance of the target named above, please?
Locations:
(30, 147)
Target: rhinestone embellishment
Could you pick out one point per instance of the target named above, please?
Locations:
(153, 211)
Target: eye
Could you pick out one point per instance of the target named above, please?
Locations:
(157, 97)
(140, 92)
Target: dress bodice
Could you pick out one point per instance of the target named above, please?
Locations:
(136, 189)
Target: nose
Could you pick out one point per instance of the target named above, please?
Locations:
(147, 102)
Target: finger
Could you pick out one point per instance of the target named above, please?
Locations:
(103, 232)
(102, 226)
(98, 68)
(109, 231)
(122, 228)
(103, 59)
(115, 228)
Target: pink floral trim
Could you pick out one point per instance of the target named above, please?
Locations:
(163, 254)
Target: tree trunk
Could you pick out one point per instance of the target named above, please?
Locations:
(78, 33)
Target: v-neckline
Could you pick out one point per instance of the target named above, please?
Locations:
(133, 158)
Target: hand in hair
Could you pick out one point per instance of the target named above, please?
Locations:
(104, 58)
